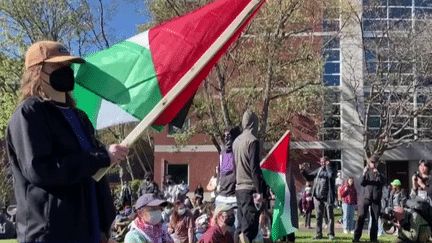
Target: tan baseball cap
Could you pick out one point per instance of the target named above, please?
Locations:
(49, 51)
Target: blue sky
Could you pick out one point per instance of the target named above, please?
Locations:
(123, 16)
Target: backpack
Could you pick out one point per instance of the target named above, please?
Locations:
(227, 163)
(422, 207)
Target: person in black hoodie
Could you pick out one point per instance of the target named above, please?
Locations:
(372, 183)
(323, 193)
(227, 175)
(53, 154)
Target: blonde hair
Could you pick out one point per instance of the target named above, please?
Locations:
(31, 85)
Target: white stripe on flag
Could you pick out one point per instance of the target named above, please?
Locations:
(110, 114)
(141, 39)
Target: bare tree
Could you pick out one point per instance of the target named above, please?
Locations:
(394, 93)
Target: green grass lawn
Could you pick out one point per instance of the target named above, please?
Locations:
(340, 237)
(306, 236)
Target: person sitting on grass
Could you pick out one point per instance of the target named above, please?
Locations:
(147, 226)
(222, 219)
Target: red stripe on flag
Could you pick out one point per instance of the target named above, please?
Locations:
(277, 160)
(178, 44)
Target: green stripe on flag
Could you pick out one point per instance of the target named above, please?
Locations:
(282, 224)
(88, 102)
(123, 74)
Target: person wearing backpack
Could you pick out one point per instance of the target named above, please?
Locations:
(227, 175)
(412, 227)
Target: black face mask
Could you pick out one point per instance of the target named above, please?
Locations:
(62, 79)
(229, 221)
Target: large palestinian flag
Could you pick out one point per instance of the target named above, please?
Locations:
(278, 175)
(125, 82)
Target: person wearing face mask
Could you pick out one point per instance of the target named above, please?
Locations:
(223, 219)
(182, 224)
(53, 153)
(147, 226)
(149, 186)
(169, 189)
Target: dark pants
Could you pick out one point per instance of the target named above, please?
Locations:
(363, 208)
(399, 240)
(322, 206)
(288, 238)
(247, 215)
(308, 216)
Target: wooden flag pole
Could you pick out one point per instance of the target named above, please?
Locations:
(185, 80)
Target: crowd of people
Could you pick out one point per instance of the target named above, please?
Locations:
(234, 213)
(385, 204)
(53, 153)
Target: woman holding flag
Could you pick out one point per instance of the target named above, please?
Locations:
(53, 154)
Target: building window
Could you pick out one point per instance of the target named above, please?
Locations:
(384, 20)
(332, 115)
(331, 129)
(179, 173)
(335, 157)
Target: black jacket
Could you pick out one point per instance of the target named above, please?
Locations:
(52, 174)
(372, 186)
(324, 187)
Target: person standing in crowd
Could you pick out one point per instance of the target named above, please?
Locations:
(348, 194)
(53, 154)
(126, 194)
(397, 197)
(372, 184)
(149, 186)
(182, 224)
(227, 174)
(302, 192)
(249, 178)
(422, 181)
(169, 189)
(223, 218)
(147, 226)
(307, 206)
(324, 194)
(339, 182)
(213, 184)
(199, 191)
